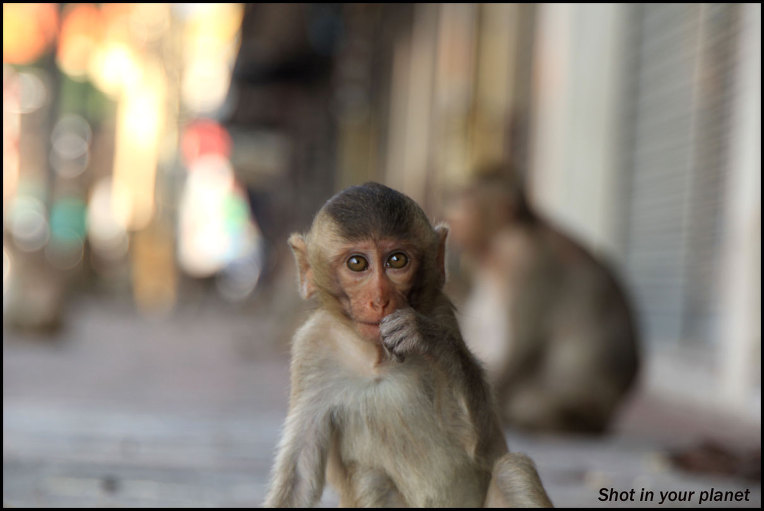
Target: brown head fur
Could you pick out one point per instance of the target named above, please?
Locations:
(493, 200)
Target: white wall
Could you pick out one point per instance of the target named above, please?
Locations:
(740, 325)
(574, 143)
(574, 171)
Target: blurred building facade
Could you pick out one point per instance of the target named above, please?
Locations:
(149, 145)
(638, 128)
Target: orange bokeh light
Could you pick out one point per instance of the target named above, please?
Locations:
(28, 30)
(81, 32)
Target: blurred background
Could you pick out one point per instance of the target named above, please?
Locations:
(156, 157)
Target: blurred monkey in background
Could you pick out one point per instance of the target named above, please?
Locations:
(550, 322)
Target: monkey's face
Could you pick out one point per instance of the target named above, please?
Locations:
(373, 279)
(369, 252)
(478, 214)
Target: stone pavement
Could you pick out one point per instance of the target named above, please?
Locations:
(121, 410)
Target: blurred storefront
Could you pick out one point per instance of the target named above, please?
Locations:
(146, 146)
(116, 168)
(637, 129)
(647, 146)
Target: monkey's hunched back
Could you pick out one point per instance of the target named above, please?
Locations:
(550, 321)
(386, 401)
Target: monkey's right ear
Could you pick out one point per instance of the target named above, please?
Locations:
(442, 231)
(299, 249)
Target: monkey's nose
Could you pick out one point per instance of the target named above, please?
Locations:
(380, 302)
(381, 293)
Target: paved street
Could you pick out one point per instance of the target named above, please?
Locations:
(121, 410)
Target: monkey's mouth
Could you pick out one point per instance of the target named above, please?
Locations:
(368, 329)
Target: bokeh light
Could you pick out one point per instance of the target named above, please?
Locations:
(11, 129)
(28, 223)
(67, 232)
(106, 235)
(148, 22)
(238, 280)
(70, 142)
(204, 137)
(211, 43)
(81, 33)
(140, 121)
(6, 268)
(34, 92)
(113, 67)
(203, 243)
(28, 30)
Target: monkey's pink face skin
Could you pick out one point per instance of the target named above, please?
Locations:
(375, 278)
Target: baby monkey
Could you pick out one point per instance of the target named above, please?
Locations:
(386, 401)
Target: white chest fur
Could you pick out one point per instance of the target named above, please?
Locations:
(399, 425)
(485, 323)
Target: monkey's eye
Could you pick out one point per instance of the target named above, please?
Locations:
(397, 260)
(357, 263)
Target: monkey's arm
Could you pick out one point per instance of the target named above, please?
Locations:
(538, 286)
(516, 483)
(525, 356)
(530, 343)
(299, 472)
(437, 337)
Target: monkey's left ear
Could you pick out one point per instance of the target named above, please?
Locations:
(442, 231)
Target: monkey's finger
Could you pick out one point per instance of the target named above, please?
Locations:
(392, 327)
(390, 353)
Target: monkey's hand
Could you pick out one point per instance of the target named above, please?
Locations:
(401, 333)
